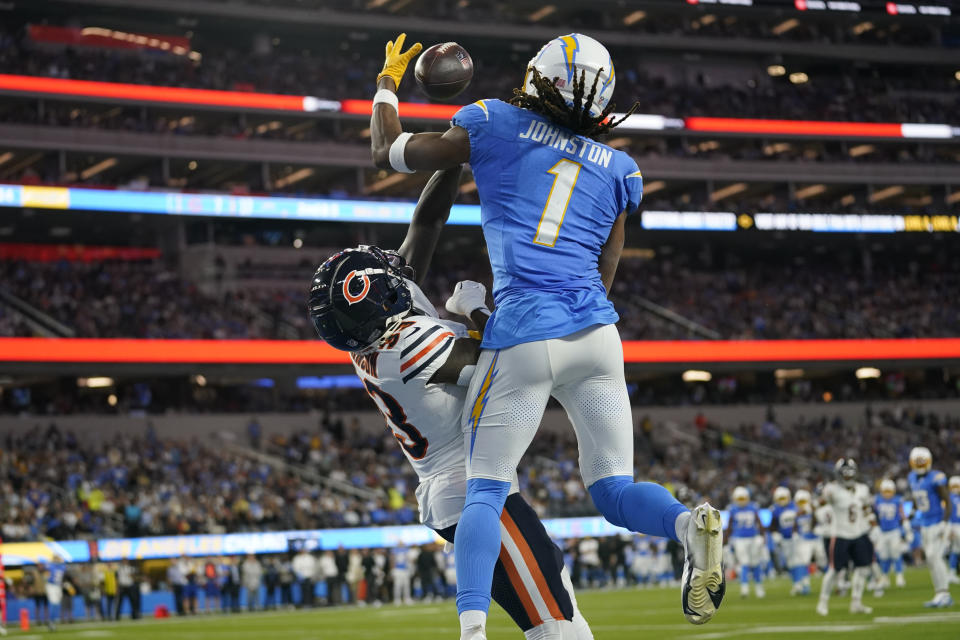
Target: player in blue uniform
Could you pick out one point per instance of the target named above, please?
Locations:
(932, 503)
(783, 518)
(954, 487)
(553, 209)
(746, 535)
(56, 571)
(888, 507)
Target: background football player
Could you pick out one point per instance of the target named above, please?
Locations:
(932, 503)
(745, 533)
(808, 546)
(367, 301)
(954, 487)
(893, 526)
(783, 518)
(852, 518)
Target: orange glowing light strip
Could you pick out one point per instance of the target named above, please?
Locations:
(316, 352)
(148, 93)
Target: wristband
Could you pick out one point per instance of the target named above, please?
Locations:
(385, 96)
(396, 153)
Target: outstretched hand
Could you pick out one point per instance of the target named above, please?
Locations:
(395, 64)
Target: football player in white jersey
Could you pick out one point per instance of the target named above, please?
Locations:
(415, 366)
(852, 518)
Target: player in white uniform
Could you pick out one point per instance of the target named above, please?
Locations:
(415, 366)
(852, 518)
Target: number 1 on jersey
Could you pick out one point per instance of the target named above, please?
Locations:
(565, 174)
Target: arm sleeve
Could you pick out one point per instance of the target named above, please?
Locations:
(423, 347)
(477, 119)
(939, 479)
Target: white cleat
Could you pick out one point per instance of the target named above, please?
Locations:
(704, 583)
(940, 601)
(859, 607)
(900, 582)
(822, 609)
(473, 633)
(760, 591)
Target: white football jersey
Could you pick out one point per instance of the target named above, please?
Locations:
(424, 418)
(824, 521)
(850, 509)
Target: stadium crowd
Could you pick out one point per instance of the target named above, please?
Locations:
(802, 297)
(54, 485)
(836, 93)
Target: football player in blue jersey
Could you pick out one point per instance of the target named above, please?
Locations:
(890, 542)
(782, 530)
(554, 203)
(746, 535)
(932, 504)
(954, 487)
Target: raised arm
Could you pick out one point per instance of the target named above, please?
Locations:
(429, 216)
(610, 253)
(405, 152)
(469, 300)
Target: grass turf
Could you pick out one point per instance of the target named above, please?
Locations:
(614, 615)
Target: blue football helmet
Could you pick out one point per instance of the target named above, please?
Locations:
(356, 294)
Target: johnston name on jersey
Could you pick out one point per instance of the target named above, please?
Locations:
(850, 509)
(424, 418)
(548, 200)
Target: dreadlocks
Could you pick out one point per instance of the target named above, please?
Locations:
(550, 103)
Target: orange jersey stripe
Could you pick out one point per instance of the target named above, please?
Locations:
(532, 565)
(518, 586)
(413, 359)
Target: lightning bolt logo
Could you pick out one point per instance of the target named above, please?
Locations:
(609, 79)
(570, 47)
(481, 401)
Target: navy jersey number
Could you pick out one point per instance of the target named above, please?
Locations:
(406, 434)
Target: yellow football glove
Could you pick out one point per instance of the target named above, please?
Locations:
(396, 62)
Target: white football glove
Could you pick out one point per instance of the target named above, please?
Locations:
(468, 296)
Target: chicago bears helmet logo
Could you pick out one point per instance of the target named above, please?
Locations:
(350, 284)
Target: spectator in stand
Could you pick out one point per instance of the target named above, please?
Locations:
(427, 573)
(327, 572)
(212, 583)
(177, 579)
(286, 579)
(191, 591)
(305, 568)
(252, 576)
(342, 560)
(108, 578)
(128, 588)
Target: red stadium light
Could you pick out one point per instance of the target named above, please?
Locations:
(407, 109)
(58, 350)
(795, 127)
(147, 93)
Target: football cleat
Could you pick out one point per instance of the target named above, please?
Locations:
(940, 601)
(760, 591)
(704, 583)
(859, 607)
(822, 608)
(900, 582)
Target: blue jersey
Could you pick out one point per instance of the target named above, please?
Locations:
(926, 495)
(888, 512)
(548, 200)
(955, 512)
(805, 526)
(55, 572)
(745, 521)
(784, 517)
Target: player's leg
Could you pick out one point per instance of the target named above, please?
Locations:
(535, 566)
(837, 558)
(505, 403)
(933, 548)
(589, 383)
(741, 553)
(861, 551)
(760, 556)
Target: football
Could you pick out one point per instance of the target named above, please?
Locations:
(444, 71)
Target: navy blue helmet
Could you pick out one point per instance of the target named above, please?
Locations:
(356, 294)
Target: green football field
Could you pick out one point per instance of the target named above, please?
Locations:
(625, 614)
